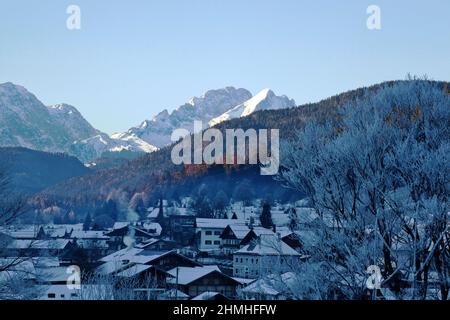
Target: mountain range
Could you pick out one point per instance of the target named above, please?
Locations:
(153, 173)
(27, 122)
(156, 170)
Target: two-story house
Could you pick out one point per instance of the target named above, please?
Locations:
(268, 254)
(209, 232)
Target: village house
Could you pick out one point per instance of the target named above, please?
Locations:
(197, 280)
(38, 248)
(268, 254)
(157, 244)
(128, 257)
(232, 237)
(182, 228)
(210, 296)
(121, 230)
(272, 287)
(209, 232)
(254, 234)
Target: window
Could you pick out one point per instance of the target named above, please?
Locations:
(62, 296)
(51, 295)
(73, 295)
(208, 242)
(242, 260)
(208, 233)
(251, 260)
(216, 242)
(236, 260)
(217, 233)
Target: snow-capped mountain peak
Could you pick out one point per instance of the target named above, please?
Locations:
(212, 103)
(264, 100)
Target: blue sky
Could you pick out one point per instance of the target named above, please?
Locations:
(133, 58)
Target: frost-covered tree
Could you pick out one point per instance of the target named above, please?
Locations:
(377, 178)
(14, 271)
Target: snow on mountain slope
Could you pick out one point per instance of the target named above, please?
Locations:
(95, 146)
(131, 143)
(71, 119)
(264, 100)
(27, 122)
(157, 131)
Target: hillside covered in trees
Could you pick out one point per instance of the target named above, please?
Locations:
(31, 171)
(154, 173)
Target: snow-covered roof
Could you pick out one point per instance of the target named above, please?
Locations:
(92, 243)
(146, 243)
(133, 270)
(172, 294)
(55, 274)
(207, 295)
(39, 244)
(147, 257)
(153, 214)
(59, 230)
(80, 234)
(23, 269)
(124, 254)
(240, 230)
(260, 230)
(154, 228)
(28, 232)
(216, 223)
(57, 233)
(187, 275)
(283, 231)
(120, 225)
(111, 267)
(244, 281)
(272, 285)
(268, 245)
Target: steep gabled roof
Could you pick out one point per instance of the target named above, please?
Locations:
(216, 223)
(124, 254)
(268, 245)
(187, 275)
(239, 230)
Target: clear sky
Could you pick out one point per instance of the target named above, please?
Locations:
(133, 58)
